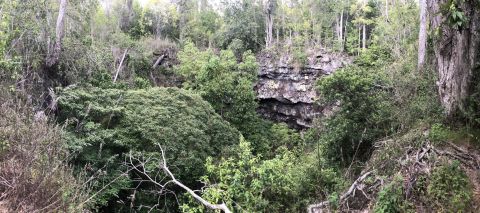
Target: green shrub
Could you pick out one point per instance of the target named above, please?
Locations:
(363, 115)
(228, 86)
(450, 189)
(391, 199)
(246, 183)
(106, 124)
(438, 133)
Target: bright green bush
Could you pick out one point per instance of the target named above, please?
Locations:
(438, 133)
(106, 124)
(391, 198)
(246, 183)
(228, 86)
(449, 188)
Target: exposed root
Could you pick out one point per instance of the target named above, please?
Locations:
(416, 162)
(357, 186)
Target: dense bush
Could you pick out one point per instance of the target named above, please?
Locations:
(391, 198)
(106, 124)
(449, 188)
(228, 86)
(363, 113)
(246, 183)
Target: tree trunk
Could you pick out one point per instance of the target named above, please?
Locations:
(269, 29)
(270, 7)
(457, 54)
(386, 8)
(182, 9)
(120, 66)
(126, 16)
(364, 38)
(345, 34)
(53, 54)
(359, 40)
(422, 34)
(278, 35)
(341, 30)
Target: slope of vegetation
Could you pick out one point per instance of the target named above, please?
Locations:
(149, 106)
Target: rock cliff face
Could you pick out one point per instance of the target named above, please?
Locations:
(286, 90)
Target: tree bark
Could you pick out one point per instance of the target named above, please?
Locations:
(422, 34)
(53, 54)
(457, 53)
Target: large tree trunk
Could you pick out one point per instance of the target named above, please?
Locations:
(269, 10)
(53, 54)
(457, 54)
(422, 34)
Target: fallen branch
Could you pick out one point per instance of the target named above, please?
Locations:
(352, 189)
(159, 61)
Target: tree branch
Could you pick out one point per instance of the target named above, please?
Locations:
(120, 66)
(164, 167)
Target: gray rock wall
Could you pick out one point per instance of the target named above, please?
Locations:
(286, 90)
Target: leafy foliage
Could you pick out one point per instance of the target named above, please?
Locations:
(226, 84)
(248, 184)
(33, 163)
(362, 115)
(391, 199)
(454, 15)
(106, 124)
(450, 188)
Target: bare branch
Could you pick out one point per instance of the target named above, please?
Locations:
(164, 167)
(312, 208)
(120, 66)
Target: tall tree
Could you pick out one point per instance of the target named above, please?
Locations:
(53, 54)
(422, 35)
(457, 50)
(270, 6)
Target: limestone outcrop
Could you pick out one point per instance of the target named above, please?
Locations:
(286, 88)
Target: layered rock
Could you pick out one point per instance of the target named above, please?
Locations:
(286, 90)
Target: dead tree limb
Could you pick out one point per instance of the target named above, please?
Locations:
(120, 66)
(312, 208)
(159, 61)
(164, 167)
